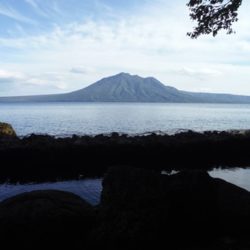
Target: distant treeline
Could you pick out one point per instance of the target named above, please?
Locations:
(39, 158)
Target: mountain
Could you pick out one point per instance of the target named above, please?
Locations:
(131, 88)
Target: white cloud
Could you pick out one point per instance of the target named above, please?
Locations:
(13, 14)
(198, 73)
(49, 81)
(35, 5)
(152, 42)
(7, 76)
(81, 70)
(55, 7)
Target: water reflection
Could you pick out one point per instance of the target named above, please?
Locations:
(237, 176)
(88, 189)
(91, 189)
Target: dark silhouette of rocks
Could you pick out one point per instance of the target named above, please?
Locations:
(6, 130)
(43, 219)
(39, 158)
(139, 209)
(188, 209)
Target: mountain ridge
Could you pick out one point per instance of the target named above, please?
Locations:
(124, 87)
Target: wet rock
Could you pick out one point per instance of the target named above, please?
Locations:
(45, 218)
(6, 130)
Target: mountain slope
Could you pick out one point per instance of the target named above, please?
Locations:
(126, 88)
(131, 88)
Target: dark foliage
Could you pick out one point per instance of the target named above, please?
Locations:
(213, 15)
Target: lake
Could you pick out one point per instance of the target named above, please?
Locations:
(90, 189)
(65, 119)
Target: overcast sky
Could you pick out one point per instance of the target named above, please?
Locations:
(54, 46)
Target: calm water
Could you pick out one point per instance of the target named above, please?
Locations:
(237, 176)
(64, 119)
(91, 189)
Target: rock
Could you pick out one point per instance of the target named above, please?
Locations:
(133, 208)
(45, 218)
(189, 208)
(7, 130)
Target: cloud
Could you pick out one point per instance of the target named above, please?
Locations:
(9, 81)
(201, 73)
(81, 70)
(34, 4)
(55, 7)
(149, 41)
(46, 82)
(7, 76)
(13, 14)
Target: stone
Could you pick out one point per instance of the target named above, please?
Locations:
(45, 218)
(189, 208)
(7, 130)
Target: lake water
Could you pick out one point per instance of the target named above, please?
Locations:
(91, 189)
(237, 176)
(63, 119)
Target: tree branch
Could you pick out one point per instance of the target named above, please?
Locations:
(213, 15)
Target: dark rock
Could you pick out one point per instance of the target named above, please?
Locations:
(45, 218)
(190, 208)
(139, 209)
(7, 130)
(43, 158)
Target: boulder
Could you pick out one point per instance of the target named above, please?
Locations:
(189, 208)
(7, 130)
(45, 219)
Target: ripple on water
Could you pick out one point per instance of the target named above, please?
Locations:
(90, 189)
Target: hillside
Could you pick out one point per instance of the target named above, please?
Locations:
(131, 88)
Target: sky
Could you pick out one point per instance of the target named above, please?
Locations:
(57, 46)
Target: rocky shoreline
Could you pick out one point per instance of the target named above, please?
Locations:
(140, 208)
(41, 158)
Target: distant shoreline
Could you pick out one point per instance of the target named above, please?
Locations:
(143, 134)
(118, 102)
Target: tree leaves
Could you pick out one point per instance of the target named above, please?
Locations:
(213, 15)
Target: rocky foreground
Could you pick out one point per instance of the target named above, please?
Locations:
(43, 158)
(139, 209)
